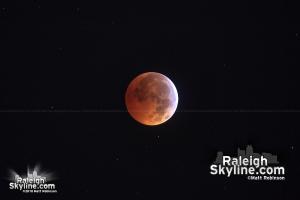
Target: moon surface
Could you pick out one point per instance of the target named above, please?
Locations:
(151, 98)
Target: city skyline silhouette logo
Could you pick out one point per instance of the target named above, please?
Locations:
(272, 159)
(34, 181)
(255, 166)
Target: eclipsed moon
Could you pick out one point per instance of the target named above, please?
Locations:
(151, 98)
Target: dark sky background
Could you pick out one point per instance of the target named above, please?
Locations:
(81, 55)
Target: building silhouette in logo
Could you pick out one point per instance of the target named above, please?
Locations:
(31, 176)
(272, 159)
(34, 175)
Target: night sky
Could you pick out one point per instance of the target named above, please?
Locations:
(65, 67)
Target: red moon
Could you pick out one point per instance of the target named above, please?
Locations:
(151, 98)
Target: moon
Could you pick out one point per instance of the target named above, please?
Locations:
(151, 98)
